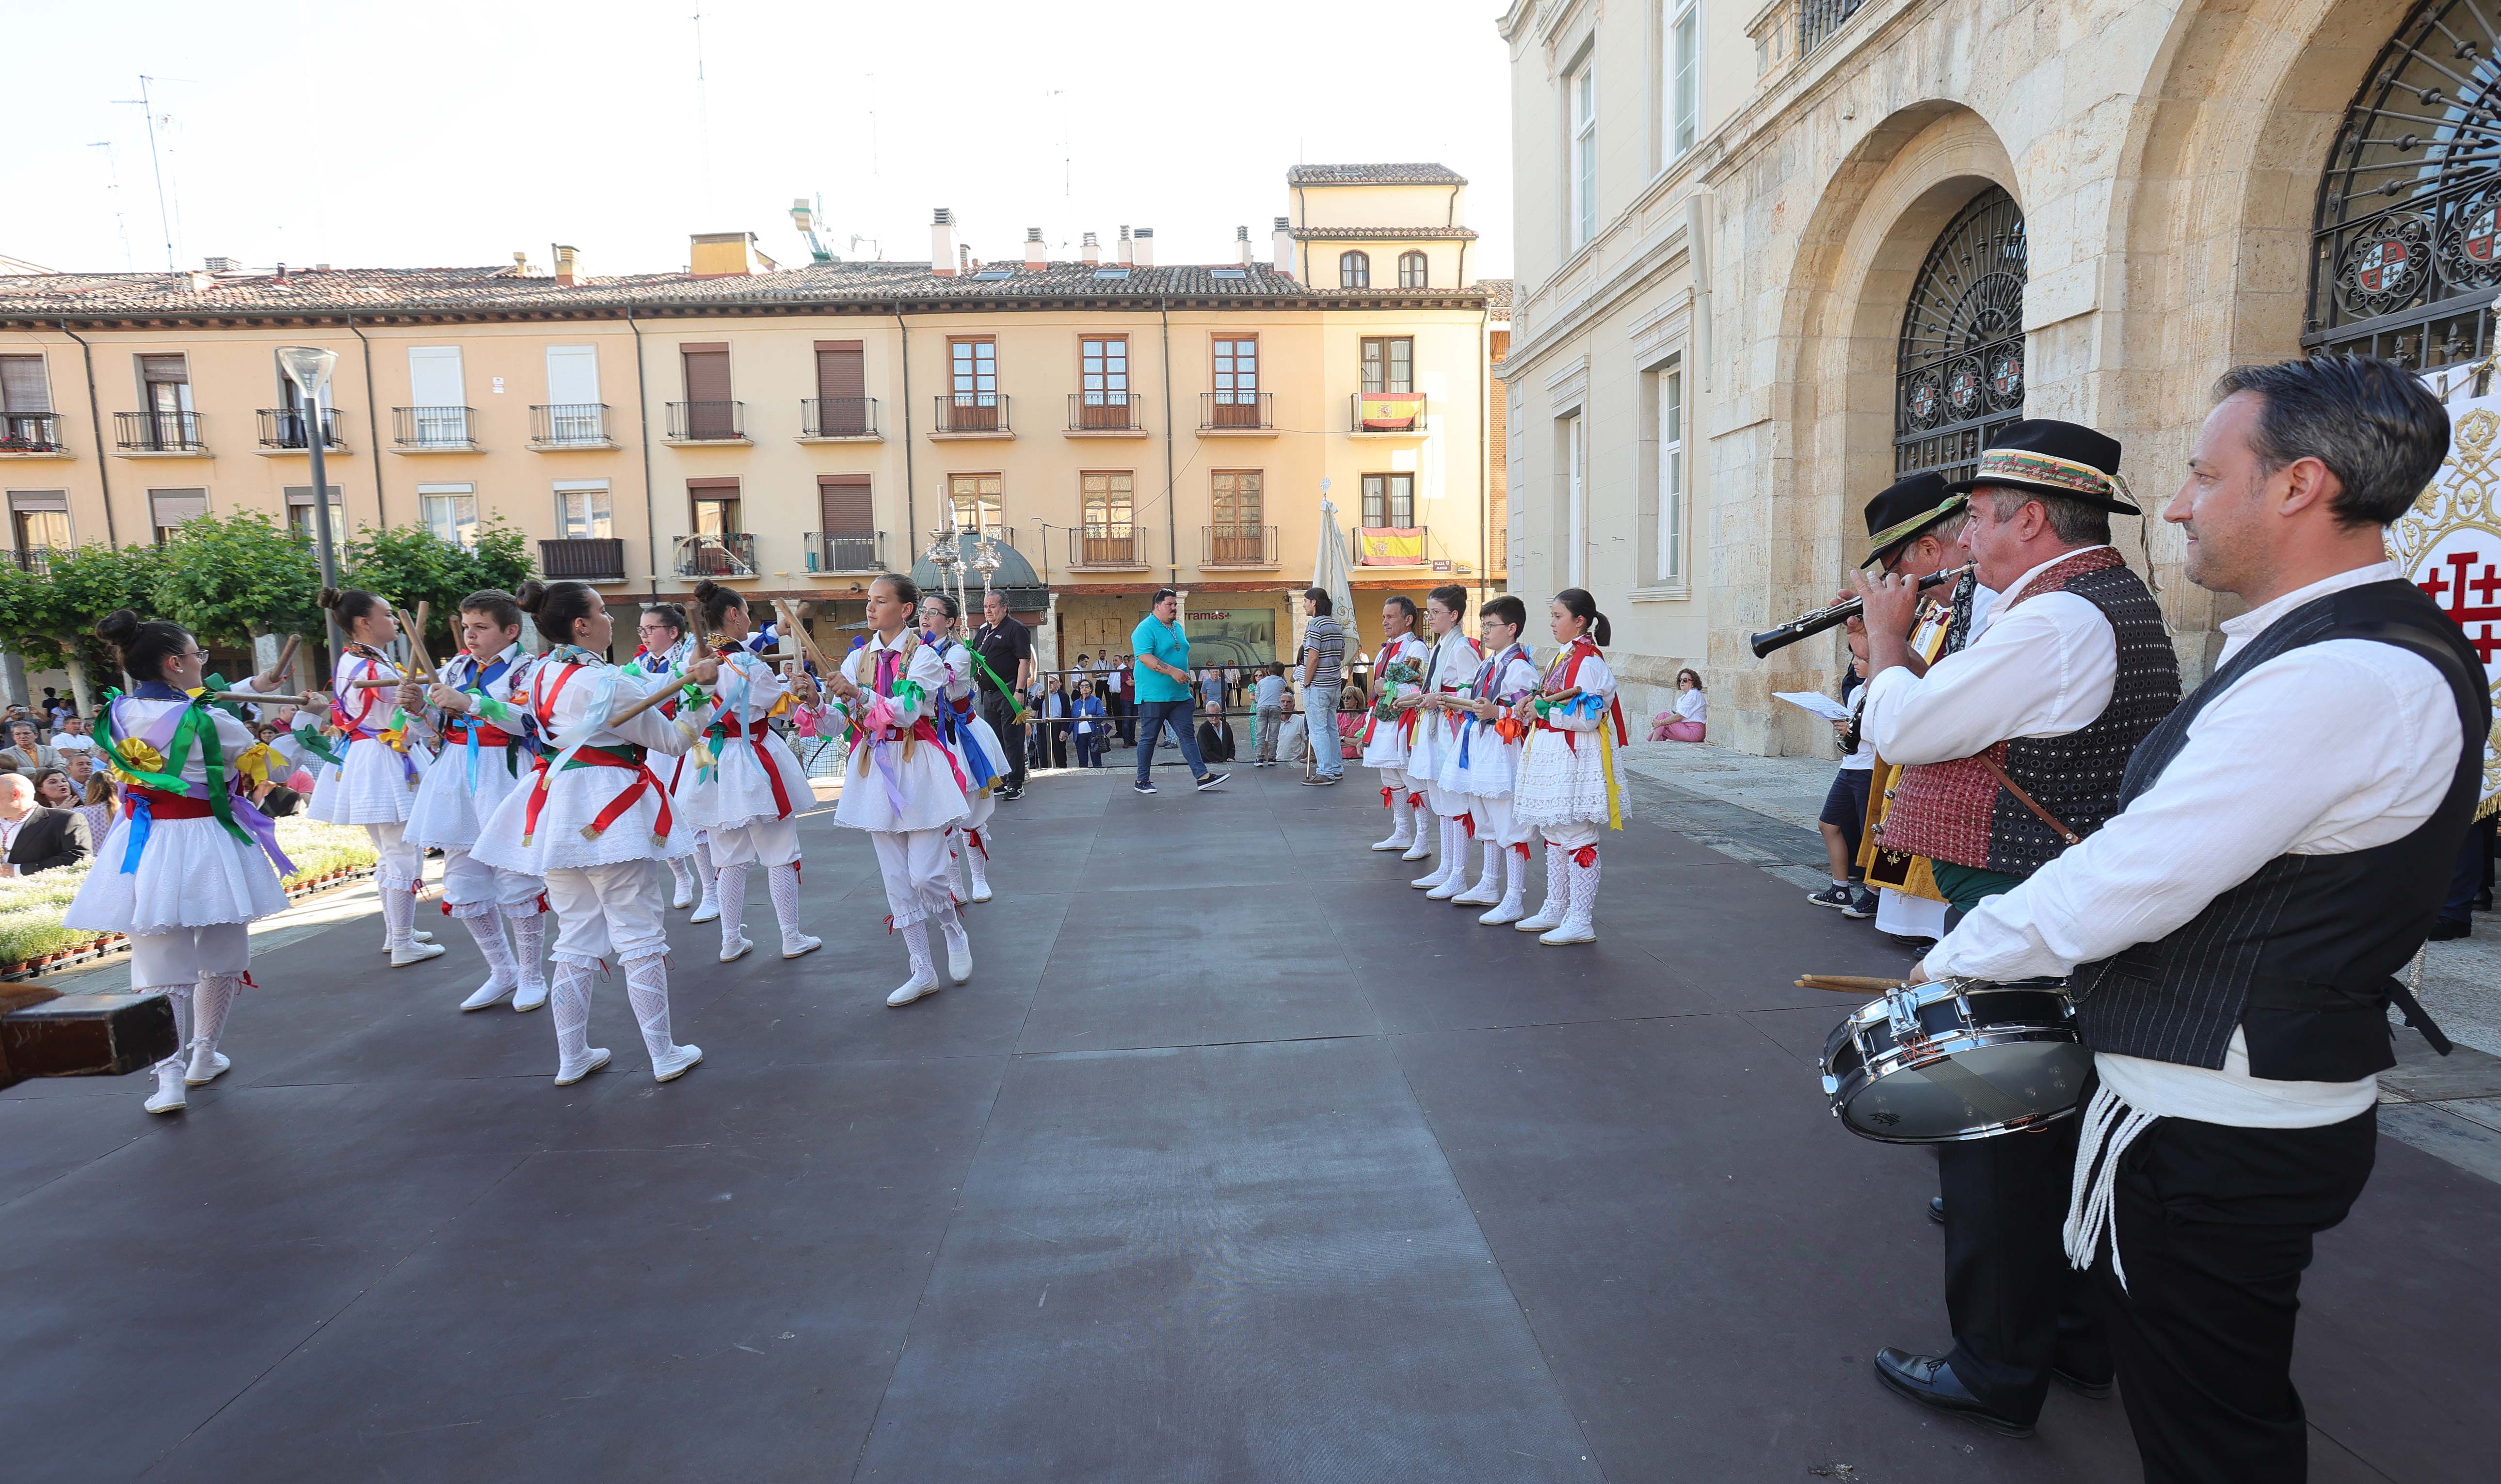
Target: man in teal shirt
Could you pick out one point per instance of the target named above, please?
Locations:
(1162, 653)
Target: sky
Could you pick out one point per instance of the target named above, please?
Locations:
(458, 133)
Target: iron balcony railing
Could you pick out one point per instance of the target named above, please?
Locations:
(724, 554)
(1106, 411)
(1818, 20)
(1005, 536)
(972, 412)
(838, 416)
(1237, 410)
(846, 550)
(1387, 412)
(38, 560)
(569, 426)
(287, 427)
(707, 421)
(1107, 545)
(1237, 545)
(583, 559)
(30, 431)
(431, 427)
(157, 432)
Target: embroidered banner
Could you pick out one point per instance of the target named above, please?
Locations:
(2449, 543)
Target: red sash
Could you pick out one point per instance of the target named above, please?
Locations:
(162, 805)
(630, 757)
(730, 727)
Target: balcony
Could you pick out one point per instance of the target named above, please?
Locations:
(583, 559)
(432, 429)
(287, 430)
(36, 561)
(1107, 549)
(1818, 20)
(1390, 546)
(1106, 414)
(972, 415)
(724, 554)
(1387, 414)
(831, 553)
(570, 425)
(31, 435)
(708, 422)
(1232, 546)
(158, 435)
(1236, 414)
(838, 421)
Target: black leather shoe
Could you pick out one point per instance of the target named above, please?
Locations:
(1929, 1381)
(1937, 1209)
(2098, 1391)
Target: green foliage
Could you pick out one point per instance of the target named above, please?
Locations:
(409, 565)
(91, 582)
(228, 579)
(31, 620)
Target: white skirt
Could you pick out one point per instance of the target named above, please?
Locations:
(878, 773)
(448, 815)
(374, 787)
(1388, 745)
(1491, 769)
(574, 798)
(738, 791)
(192, 875)
(1560, 781)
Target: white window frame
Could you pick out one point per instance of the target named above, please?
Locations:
(1581, 149)
(1682, 128)
(1575, 436)
(426, 492)
(566, 490)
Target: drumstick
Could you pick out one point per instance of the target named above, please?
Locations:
(1848, 985)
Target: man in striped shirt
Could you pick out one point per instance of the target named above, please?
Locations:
(1323, 661)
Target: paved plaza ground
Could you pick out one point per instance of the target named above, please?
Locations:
(1236, 1160)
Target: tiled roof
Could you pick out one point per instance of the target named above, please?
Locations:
(1498, 292)
(1382, 234)
(1421, 174)
(455, 290)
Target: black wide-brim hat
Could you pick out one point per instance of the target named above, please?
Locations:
(2054, 458)
(1906, 508)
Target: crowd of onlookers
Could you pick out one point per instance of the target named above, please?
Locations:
(55, 799)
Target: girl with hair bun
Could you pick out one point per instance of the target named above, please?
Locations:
(979, 754)
(739, 783)
(191, 863)
(593, 822)
(1568, 789)
(488, 749)
(1389, 733)
(373, 780)
(1483, 770)
(667, 646)
(1451, 663)
(902, 786)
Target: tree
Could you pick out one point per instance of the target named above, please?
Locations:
(229, 581)
(409, 565)
(87, 585)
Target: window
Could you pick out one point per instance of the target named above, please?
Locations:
(842, 505)
(842, 390)
(1581, 88)
(1412, 272)
(1103, 381)
(573, 395)
(973, 370)
(710, 413)
(1354, 270)
(1661, 503)
(1572, 451)
(1390, 500)
(1107, 496)
(165, 396)
(1389, 363)
(1684, 75)
(169, 508)
(449, 511)
(1228, 273)
(439, 419)
(39, 522)
(299, 513)
(715, 506)
(23, 387)
(1111, 273)
(974, 501)
(582, 510)
(1235, 499)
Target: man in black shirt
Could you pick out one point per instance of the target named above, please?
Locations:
(1007, 648)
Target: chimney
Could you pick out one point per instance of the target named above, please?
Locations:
(1125, 249)
(942, 244)
(1241, 245)
(202, 280)
(281, 273)
(725, 256)
(568, 263)
(221, 264)
(1092, 251)
(521, 265)
(964, 258)
(1033, 260)
(1145, 245)
(1281, 243)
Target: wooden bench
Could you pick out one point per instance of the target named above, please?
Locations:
(47, 1034)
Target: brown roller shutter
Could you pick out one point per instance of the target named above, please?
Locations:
(841, 388)
(709, 414)
(843, 501)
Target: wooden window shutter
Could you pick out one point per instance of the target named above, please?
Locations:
(840, 369)
(843, 502)
(707, 372)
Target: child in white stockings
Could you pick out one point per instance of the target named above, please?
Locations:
(1482, 768)
(741, 785)
(979, 754)
(665, 648)
(1448, 666)
(1568, 790)
(1390, 731)
(375, 783)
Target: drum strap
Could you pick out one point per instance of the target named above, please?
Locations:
(1997, 770)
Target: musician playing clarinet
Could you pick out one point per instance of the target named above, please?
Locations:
(2236, 932)
(2071, 671)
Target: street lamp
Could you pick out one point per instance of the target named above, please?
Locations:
(309, 367)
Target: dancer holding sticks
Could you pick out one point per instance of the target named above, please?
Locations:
(375, 780)
(741, 786)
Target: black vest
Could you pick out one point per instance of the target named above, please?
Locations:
(2303, 955)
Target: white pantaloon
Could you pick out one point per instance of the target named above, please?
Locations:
(608, 909)
(917, 868)
(182, 956)
(403, 865)
(1493, 819)
(757, 842)
(472, 888)
(1572, 834)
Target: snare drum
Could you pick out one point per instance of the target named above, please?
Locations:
(1933, 1063)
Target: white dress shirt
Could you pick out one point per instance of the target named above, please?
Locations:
(2330, 748)
(2044, 669)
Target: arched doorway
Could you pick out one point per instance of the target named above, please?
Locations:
(1958, 374)
(2406, 248)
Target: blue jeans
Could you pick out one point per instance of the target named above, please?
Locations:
(1319, 713)
(1182, 715)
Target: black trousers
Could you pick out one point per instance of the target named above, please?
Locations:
(2017, 1304)
(2214, 1226)
(999, 711)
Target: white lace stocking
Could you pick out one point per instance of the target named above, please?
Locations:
(915, 937)
(705, 876)
(399, 916)
(569, 1006)
(646, 989)
(489, 930)
(785, 881)
(529, 950)
(731, 883)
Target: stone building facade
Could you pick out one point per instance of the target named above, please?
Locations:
(1766, 260)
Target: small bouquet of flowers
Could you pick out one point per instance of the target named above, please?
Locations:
(1395, 673)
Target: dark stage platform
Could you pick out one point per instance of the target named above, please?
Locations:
(1238, 1160)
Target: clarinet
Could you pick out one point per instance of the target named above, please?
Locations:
(1822, 618)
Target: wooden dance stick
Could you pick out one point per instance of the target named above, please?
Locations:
(1848, 985)
(287, 654)
(255, 698)
(655, 698)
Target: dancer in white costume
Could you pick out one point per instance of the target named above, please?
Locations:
(1568, 790)
(594, 824)
(979, 753)
(1448, 667)
(1389, 733)
(190, 864)
(1484, 768)
(901, 784)
(668, 648)
(741, 786)
(374, 783)
(488, 753)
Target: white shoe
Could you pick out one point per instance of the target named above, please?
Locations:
(488, 994)
(921, 983)
(1548, 918)
(1483, 894)
(530, 997)
(591, 1063)
(1512, 909)
(171, 1097)
(981, 891)
(201, 1074)
(959, 955)
(1573, 930)
(680, 1060)
(708, 912)
(1399, 839)
(1417, 851)
(730, 955)
(415, 953)
(792, 947)
(682, 896)
(415, 935)
(1428, 882)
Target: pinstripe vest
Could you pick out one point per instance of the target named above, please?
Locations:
(2303, 955)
